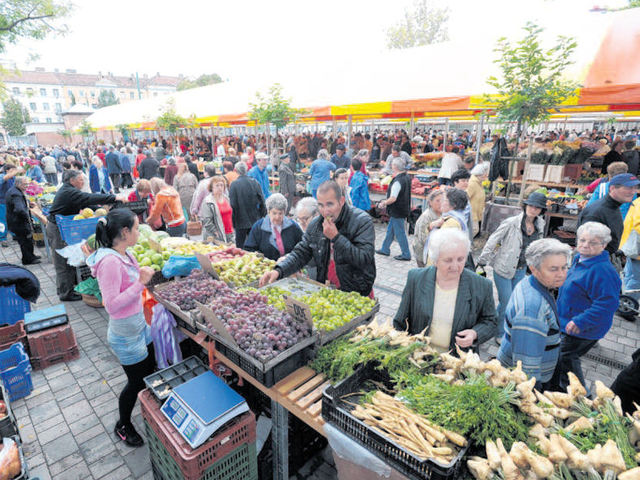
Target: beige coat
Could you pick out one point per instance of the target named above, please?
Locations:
(476, 197)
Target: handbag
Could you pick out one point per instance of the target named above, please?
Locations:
(631, 247)
(194, 227)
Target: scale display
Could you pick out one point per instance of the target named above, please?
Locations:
(45, 318)
(200, 406)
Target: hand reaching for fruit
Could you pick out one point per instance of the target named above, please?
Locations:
(145, 274)
(268, 278)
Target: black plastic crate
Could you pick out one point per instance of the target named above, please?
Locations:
(8, 425)
(277, 368)
(335, 411)
(83, 272)
(162, 382)
(138, 206)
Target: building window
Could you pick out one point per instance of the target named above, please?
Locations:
(16, 90)
(45, 106)
(29, 91)
(48, 119)
(122, 94)
(132, 95)
(35, 120)
(58, 107)
(43, 92)
(32, 106)
(70, 93)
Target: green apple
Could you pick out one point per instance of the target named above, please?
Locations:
(157, 258)
(145, 262)
(138, 248)
(166, 255)
(157, 268)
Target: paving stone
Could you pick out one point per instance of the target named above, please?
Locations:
(40, 471)
(79, 471)
(147, 476)
(62, 381)
(55, 420)
(91, 433)
(95, 389)
(77, 411)
(97, 447)
(35, 461)
(27, 432)
(84, 424)
(107, 464)
(138, 460)
(120, 473)
(89, 378)
(74, 395)
(102, 399)
(31, 449)
(41, 413)
(40, 396)
(53, 433)
(60, 448)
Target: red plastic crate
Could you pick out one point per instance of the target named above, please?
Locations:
(194, 462)
(12, 334)
(52, 341)
(42, 363)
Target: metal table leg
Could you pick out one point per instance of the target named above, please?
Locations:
(280, 441)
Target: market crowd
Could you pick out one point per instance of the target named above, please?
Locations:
(305, 203)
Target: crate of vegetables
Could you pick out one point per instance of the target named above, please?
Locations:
(333, 312)
(340, 401)
(265, 342)
(236, 267)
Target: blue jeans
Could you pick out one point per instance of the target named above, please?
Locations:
(631, 279)
(505, 286)
(3, 220)
(396, 229)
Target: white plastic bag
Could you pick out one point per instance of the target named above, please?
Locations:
(10, 466)
(73, 253)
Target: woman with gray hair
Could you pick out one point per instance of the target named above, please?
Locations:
(274, 235)
(320, 170)
(587, 301)
(452, 303)
(306, 210)
(425, 224)
(531, 327)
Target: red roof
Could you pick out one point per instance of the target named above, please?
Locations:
(89, 80)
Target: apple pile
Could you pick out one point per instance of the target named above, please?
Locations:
(148, 257)
(228, 253)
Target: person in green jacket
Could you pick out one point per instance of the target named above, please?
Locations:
(453, 304)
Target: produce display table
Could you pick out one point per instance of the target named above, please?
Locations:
(299, 393)
(551, 184)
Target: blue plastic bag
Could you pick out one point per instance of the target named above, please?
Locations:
(179, 266)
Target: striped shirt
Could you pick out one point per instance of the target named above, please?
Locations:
(531, 331)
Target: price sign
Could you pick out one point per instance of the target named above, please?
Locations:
(205, 263)
(213, 320)
(155, 245)
(298, 310)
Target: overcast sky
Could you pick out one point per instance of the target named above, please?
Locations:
(240, 38)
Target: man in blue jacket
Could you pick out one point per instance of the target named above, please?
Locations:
(260, 174)
(113, 166)
(587, 301)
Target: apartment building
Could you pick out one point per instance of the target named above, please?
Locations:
(47, 94)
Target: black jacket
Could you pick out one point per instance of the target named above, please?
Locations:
(287, 181)
(193, 168)
(113, 163)
(26, 283)
(247, 202)
(605, 211)
(148, 168)
(609, 158)
(402, 206)
(69, 201)
(18, 216)
(261, 238)
(632, 159)
(353, 251)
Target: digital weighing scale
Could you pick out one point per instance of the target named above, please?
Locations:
(45, 318)
(200, 406)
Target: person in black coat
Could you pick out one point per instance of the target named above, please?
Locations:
(341, 240)
(19, 220)
(114, 167)
(69, 200)
(274, 235)
(193, 168)
(614, 155)
(247, 202)
(148, 168)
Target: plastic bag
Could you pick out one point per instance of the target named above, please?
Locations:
(180, 266)
(166, 337)
(357, 454)
(89, 287)
(10, 466)
(73, 253)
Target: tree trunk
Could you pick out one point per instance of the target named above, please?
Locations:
(515, 155)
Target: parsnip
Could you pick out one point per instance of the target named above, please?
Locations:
(633, 474)
(575, 388)
(581, 424)
(479, 468)
(509, 468)
(542, 467)
(545, 419)
(560, 413)
(556, 452)
(537, 431)
(611, 458)
(444, 377)
(577, 459)
(544, 444)
(542, 398)
(517, 375)
(603, 391)
(617, 404)
(559, 399)
(493, 455)
(518, 454)
(526, 389)
(449, 361)
(594, 456)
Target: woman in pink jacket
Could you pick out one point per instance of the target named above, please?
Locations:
(121, 283)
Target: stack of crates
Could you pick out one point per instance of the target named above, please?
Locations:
(230, 454)
(15, 370)
(49, 345)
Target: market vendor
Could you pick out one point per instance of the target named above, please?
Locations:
(453, 303)
(340, 240)
(531, 324)
(69, 200)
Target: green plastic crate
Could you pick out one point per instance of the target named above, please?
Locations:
(240, 464)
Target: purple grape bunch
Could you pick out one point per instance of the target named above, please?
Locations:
(197, 287)
(259, 329)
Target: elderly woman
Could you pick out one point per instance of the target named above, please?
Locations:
(275, 235)
(142, 192)
(185, 184)
(99, 177)
(426, 223)
(320, 170)
(306, 210)
(167, 208)
(452, 303)
(531, 327)
(216, 212)
(475, 190)
(587, 301)
(505, 250)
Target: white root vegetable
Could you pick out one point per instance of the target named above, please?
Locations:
(556, 452)
(545, 419)
(560, 413)
(544, 444)
(449, 361)
(509, 468)
(633, 474)
(526, 389)
(611, 458)
(518, 454)
(517, 375)
(493, 455)
(603, 391)
(617, 404)
(542, 398)
(473, 362)
(581, 424)
(594, 456)
(542, 466)
(575, 388)
(577, 459)
(479, 468)
(559, 399)
(444, 377)
(537, 431)
(461, 353)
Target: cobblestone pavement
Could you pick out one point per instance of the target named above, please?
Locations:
(67, 421)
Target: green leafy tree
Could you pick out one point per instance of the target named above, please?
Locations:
(14, 116)
(34, 19)
(201, 81)
(423, 25)
(274, 109)
(170, 121)
(123, 129)
(85, 129)
(107, 98)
